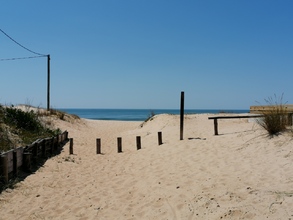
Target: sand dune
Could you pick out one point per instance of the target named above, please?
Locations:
(240, 174)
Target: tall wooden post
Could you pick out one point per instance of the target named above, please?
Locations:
(181, 115)
(48, 81)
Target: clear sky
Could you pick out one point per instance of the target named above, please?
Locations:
(227, 54)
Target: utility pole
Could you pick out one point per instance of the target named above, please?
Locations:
(48, 85)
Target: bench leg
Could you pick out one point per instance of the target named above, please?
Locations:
(216, 126)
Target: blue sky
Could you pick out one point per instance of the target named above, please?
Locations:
(227, 54)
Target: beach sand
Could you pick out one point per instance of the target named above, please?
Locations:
(240, 174)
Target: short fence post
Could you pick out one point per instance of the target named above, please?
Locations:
(98, 142)
(119, 144)
(216, 126)
(290, 119)
(57, 142)
(15, 163)
(52, 145)
(26, 163)
(43, 145)
(4, 168)
(71, 146)
(160, 138)
(35, 151)
(138, 142)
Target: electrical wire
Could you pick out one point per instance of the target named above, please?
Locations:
(21, 45)
(21, 58)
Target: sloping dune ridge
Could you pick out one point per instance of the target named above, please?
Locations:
(240, 174)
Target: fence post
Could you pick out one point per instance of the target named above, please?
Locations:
(119, 144)
(290, 119)
(4, 168)
(52, 145)
(15, 170)
(98, 142)
(26, 163)
(43, 145)
(160, 138)
(57, 142)
(138, 142)
(71, 146)
(35, 151)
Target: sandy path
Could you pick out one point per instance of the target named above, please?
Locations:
(240, 174)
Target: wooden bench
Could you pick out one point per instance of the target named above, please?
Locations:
(215, 118)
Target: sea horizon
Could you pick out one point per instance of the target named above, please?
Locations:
(123, 114)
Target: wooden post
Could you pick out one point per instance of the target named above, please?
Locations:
(119, 144)
(181, 115)
(4, 168)
(290, 119)
(35, 151)
(57, 142)
(138, 142)
(52, 145)
(71, 146)
(43, 145)
(160, 138)
(216, 126)
(26, 163)
(15, 170)
(98, 145)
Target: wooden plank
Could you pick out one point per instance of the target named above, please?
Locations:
(263, 108)
(3, 168)
(235, 116)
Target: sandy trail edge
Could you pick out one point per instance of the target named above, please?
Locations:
(240, 174)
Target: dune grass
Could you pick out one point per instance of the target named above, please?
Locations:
(275, 117)
(19, 127)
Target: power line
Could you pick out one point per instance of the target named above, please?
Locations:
(21, 58)
(20, 44)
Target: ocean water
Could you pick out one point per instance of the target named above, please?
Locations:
(136, 114)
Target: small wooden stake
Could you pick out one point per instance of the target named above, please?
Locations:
(98, 146)
(4, 168)
(119, 144)
(71, 146)
(138, 142)
(160, 138)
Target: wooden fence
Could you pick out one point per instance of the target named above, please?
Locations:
(266, 108)
(26, 157)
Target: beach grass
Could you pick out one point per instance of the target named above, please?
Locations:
(275, 118)
(18, 127)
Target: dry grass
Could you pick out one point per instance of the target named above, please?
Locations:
(275, 118)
